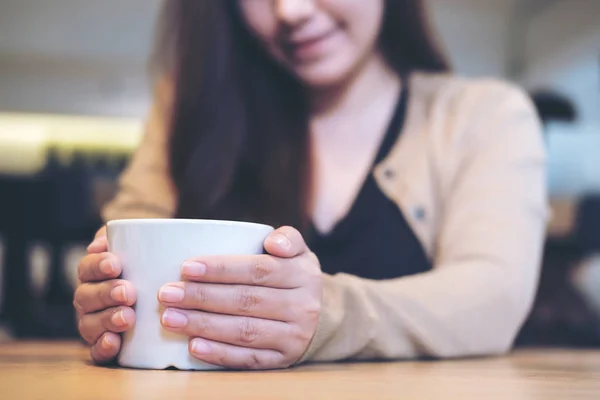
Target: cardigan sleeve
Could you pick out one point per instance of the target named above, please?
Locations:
(145, 188)
(487, 253)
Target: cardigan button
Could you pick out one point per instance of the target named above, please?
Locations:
(419, 213)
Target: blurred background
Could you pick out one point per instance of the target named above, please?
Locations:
(74, 91)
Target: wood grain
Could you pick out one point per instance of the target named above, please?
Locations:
(55, 370)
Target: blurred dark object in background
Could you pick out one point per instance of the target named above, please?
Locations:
(587, 226)
(55, 207)
(560, 315)
(553, 106)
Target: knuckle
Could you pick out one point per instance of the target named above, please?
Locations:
(201, 324)
(312, 309)
(248, 331)
(301, 336)
(223, 359)
(80, 268)
(260, 270)
(219, 266)
(246, 299)
(83, 268)
(313, 257)
(205, 324)
(293, 313)
(313, 267)
(199, 294)
(77, 293)
(308, 311)
(81, 327)
(309, 268)
(252, 361)
(85, 333)
(77, 303)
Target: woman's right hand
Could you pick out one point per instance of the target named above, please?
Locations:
(102, 301)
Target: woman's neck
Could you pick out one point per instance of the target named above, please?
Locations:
(357, 91)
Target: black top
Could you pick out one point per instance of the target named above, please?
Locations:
(373, 240)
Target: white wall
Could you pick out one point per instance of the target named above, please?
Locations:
(563, 51)
(75, 56)
(89, 56)
(120, 31)
(85, 30)
(72, 88)
(476, 33)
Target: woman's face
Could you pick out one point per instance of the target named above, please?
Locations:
(320, 41)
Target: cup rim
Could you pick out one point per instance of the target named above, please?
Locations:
(183, 221)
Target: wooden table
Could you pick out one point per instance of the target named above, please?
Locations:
(63, 371)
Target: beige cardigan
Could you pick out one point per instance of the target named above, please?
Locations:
(469, 173)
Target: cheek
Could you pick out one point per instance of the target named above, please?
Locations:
(361, 22)
(260, 19)
(362, 19)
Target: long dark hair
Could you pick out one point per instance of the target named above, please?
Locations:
(239, 146)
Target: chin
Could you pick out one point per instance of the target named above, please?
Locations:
(323, 73)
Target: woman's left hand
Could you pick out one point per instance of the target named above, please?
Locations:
(248, 312)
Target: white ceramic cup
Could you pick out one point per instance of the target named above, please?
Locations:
(152, 252)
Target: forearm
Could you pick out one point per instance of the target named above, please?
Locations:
(471, 309)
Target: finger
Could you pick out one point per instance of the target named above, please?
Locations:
(100, 232)
(235, 357)
(285, 242)
(100, 243)
(106, 348)
(256, 270)
(251, 332)
(99, 267)
(92, 297)
(116, 319)
(255, 301)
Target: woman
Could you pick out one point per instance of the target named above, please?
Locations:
(412, 203)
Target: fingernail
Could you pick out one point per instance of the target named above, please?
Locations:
(200, 347)
(108, 342)
(119, 293)
(281, 240)
(106, 267)
(193, 269)
(174, 319)
(118, 318)
(171, 294)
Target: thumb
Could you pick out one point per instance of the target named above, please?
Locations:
(285, 242)
(100, 244)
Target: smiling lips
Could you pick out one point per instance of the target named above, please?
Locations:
(309, 47)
